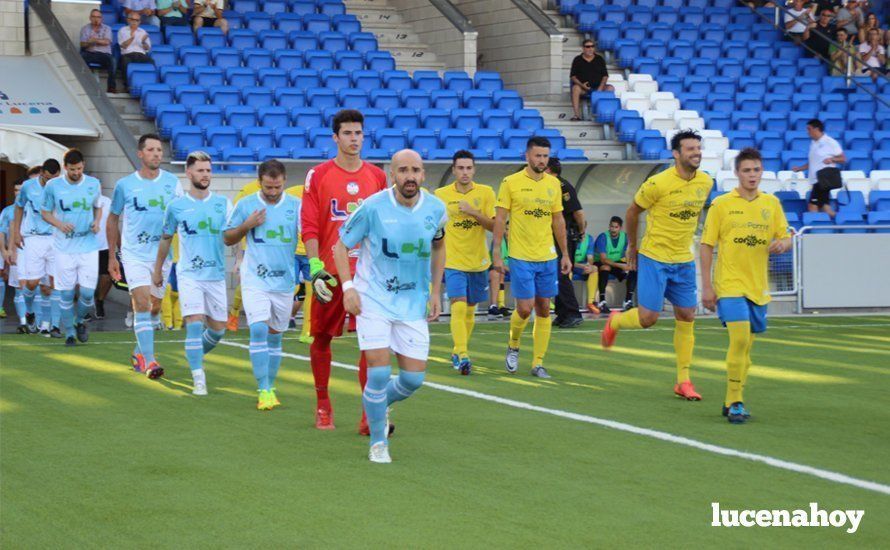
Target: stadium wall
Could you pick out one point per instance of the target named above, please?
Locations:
(453, 46)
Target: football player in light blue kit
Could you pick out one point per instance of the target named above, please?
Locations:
(402, 250)
(270, 220)
(8, 271)
(34, 237)
(71, 206)
(141, 199)
(199, 216)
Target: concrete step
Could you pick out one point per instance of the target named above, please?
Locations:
(138, 124)
(602, 151)
(374, 15)
(393, 35)
(126, 104)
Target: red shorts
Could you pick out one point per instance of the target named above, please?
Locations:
(328, 318)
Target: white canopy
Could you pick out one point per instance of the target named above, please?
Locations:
(27, 148)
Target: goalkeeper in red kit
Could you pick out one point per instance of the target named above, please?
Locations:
(334, 189)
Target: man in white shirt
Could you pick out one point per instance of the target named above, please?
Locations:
(135, 44)
(824, 157)
(145, 9)
(874, 54)
(104, 278)
(209, 13)
(797, 20)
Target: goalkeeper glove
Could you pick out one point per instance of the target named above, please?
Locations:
(321, 280)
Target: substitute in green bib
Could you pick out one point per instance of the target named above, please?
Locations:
(609, 252)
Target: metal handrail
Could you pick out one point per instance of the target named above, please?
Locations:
(538, 17)
(86, 79)
(450, 12)
(850, 57)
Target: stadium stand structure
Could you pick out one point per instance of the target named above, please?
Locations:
(270, 87)
(683, 69)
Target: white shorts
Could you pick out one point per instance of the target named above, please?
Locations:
(260, 306)
(37, 258)
(138, 273)
(76, 269)
(12, 276)
(408, 338)
(203, 298)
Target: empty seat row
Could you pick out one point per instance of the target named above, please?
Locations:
(211, 37)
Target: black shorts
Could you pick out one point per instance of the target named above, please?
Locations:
(826, 180)
(619, 274)
(206, 21)
(103, 262)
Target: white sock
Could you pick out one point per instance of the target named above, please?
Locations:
(198, 376)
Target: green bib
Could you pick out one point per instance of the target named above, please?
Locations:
(616, 252)
(581, 251)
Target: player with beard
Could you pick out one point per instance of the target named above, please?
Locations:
(665, 264)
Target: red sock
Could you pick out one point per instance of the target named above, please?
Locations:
(320, 359)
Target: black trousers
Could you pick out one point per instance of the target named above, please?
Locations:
(104, 60)
(133, 58)
(566, 301)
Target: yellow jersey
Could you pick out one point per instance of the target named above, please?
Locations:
(674, 206)
(532, 205)
(297, 191)
(465, 248)
(742, 230)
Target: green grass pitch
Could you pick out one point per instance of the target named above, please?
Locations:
(94, 455)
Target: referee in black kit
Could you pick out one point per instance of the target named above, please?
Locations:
(567, 311)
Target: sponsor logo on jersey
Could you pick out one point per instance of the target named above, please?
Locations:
(750, 241)
(684, 215)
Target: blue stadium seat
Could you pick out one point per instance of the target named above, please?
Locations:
(859, 141)
(239, 155)
(257, 58)
(774, 121)
(206, 115)
(365, 79)
(739, 139)
(321, 98)
(515, 140)
(139, 75)
(477, 99)
(427, 80)
(435, 119)
(245, 6)
(181, 36)
(190, 94)
(241, 39)
(319, 59)
(403, 119)
(273, 7)
(256, 137)
(390, 139)
(185, 140)
(851, 202)
(222, 137)
(454, 139)
(335, 79)
(769, 141)
(241, 77)
(466, 119)
(850, 218)
(321, 138)
(508, 100)
(790, 159)
(224, 57)
(797, 141)
(557, 141)
(302, 40)
(423, 140)
(349, 61)
(307, 153)
(415, 99)
(374, 153)
(332, 41)
(272, 78)
(445, 99)
(362, 42)
(163, 55)
(258, 21)
(778, 103)
(744, 120)
(639, 14)
(627, 123)
(879, 201)
(268, 153)
(375, 119)
(174, 75)
(316, 22)
(354, 98)
(457, 81)
(306, 117)
(273, 40)
(272, 116)
(331, 8)
(224, 96)
(488, 80)
(606, 109)
(528, 119)
(485, 139)
(385, 99)
(859, 160)
(256, 96)
(301, 7)
(730, 68)
(508, 154)
(240, 116)
(346, 23)
(666, 15)
(328, 114)
(881, 220)
(169, 116)
(305, 78)
(379, 61)
(397, 80)
(650, 144)
(208, 76)
(497, 119)
(290, 137)
(288, 22)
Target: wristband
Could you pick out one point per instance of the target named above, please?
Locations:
(315, 265)
(347, 285)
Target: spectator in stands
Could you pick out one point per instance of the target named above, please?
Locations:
(567, 311)
(873, 54)
(173, 12)
(871, 22)
(754, 4)
(840, 55)
(820, 34)
(209, 13)
(830, 5)
(95, 46)
(135, 44)
(824, 156)
(146, 9)
(849, 17)
(798, 20)
(588, 74)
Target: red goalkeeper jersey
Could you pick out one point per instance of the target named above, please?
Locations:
(330, 196)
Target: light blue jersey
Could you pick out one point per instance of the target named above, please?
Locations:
(142, 203)
(269, 259)
(30, 199)
(6, 218)
(200, 225)
(393, 270)
(73, 203)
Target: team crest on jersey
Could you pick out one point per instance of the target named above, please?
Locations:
(218, 207)
(352, 188)
(765, 214)
(429, 224)
(290, 215)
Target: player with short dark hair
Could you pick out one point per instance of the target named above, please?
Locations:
(334, 190)
(745, 226)
(609, 251)
(470, 209)
(665, 268)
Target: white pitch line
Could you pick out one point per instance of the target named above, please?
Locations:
(630, 428)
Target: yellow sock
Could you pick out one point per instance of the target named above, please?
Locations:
(307, 311)
(501, 297)
(541, 336)
(628, 319)
(593, 283)
(736, 359)
(684, 342)
(235, 310)
(177, 312)
(459, 328)
(517, 325)
(747, 361)
(471, 322)
(167, 308)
